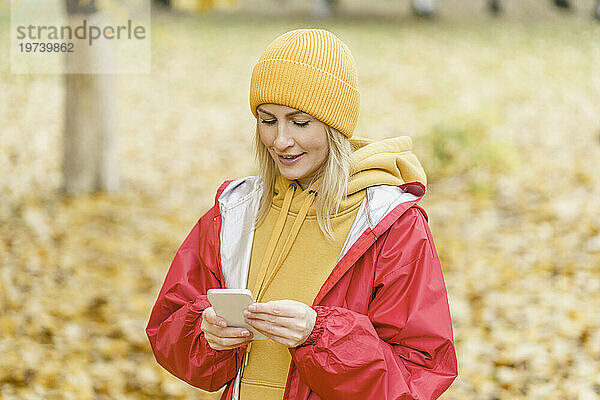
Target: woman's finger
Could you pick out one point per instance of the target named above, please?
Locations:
(296, 323)
(225, 343)
(229, 332)
(281, 308)
(279, 334)
(291, 324)
(273, 319)
(275, 330)
(210, 316)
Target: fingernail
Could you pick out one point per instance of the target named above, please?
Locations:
(252, 307)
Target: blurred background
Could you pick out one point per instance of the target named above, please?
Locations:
(502, 100)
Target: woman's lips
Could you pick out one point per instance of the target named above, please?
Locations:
(290, 161)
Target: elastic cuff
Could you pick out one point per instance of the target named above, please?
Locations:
(196, 308)
(323, 313)
(200, 304)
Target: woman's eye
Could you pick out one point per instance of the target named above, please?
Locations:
(301, 123)
(268, 122)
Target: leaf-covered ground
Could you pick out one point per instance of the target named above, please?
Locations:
(505, 115)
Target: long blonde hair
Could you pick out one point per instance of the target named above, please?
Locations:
(332, 189)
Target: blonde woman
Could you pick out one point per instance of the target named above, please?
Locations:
(331, 242)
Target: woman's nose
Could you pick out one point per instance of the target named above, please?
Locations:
(283, 139)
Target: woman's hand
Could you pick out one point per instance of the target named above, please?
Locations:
(219, 336)
(287, 322)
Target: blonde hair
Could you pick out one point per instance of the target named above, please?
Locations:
(332, 189)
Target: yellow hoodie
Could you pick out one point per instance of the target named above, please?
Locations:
(291, 258)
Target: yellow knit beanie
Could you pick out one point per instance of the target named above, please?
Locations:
(311, 70)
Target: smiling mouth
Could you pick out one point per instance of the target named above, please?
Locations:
(290, 157)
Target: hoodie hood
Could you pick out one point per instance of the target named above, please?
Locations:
(384, 162)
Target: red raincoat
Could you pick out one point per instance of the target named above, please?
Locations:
(383, 328)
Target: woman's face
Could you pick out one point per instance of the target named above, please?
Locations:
(288, 132)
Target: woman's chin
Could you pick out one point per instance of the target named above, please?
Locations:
(288, 173)
(291, 177)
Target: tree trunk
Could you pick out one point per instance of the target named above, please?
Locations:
(90, 153)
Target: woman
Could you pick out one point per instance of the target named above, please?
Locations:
(330, 240)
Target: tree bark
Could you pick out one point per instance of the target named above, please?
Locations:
(90, 151)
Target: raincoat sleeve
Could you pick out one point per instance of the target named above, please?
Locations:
(403, 347)
(174, 330)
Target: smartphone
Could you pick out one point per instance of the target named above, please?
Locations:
(230, 304)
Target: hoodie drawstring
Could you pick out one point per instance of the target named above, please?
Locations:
(290, 240)
(262, 281)
(277, 230)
